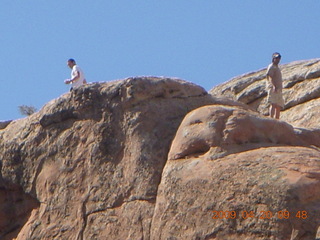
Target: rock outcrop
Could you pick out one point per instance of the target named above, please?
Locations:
(4, 124)
(91, 161)
(301, 81)
(160, 158)
(221, 130)
(233, 174)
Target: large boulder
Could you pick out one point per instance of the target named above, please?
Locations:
(234, 174)
(89, 163)
(109, 161)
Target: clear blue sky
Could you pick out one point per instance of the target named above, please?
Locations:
(203, 41)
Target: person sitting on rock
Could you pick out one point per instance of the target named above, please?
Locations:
(274, 87)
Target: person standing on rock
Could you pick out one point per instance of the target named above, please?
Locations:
(77, 76)
(274, 87)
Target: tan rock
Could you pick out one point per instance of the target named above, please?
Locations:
(229, 161)
(301, 87)
(265, 190)
(4, 124)
(226, 130)
(92, 164)
(93, 158)
(304, 115)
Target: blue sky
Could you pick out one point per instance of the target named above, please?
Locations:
(203, 41)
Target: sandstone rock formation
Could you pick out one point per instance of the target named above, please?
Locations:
(153, 158)
(301, 92)
(4, 124)
(249, 168)
(90, 162)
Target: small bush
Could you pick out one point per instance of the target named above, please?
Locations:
(27, 110)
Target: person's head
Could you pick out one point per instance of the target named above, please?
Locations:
(71, 62)
(276, 57)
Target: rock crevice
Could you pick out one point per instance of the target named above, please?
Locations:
(133, 159)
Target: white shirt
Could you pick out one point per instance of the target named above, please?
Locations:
(80, 80)
(274, 72)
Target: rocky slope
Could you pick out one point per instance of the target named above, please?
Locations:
(301, 92)
(90, 162)
(157, 158)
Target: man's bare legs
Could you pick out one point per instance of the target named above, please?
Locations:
(274, 111)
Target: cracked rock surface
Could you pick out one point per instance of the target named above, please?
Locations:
(152, 158)
(301, 91)
(91, 161)
(224, 160)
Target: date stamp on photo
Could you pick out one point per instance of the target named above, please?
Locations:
(283, 214)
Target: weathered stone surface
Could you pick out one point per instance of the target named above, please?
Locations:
(15, 208)
(4, 124)
(95, 163)
(92, 159)
(226, 130)
(254, 184)
(229, 159)
(306, 115)
(301, 85)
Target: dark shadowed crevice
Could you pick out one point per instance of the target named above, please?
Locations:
(15, 209)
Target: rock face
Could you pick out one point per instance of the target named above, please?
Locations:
(301, 81)
(15, 208)
(91, 161)
(4, 124)
(233, 174)
(159, 158)
(227, 130)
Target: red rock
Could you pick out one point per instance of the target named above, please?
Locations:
(92, 159)
(93, 164)
(234, 161)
